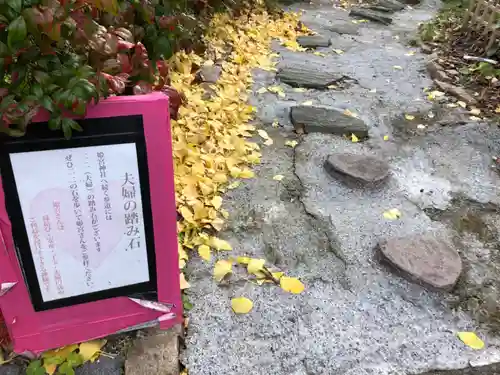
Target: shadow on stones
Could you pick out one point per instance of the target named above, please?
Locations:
(493, 369)
(477, 233)
(425, 122)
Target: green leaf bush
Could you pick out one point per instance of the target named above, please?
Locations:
(62, 55)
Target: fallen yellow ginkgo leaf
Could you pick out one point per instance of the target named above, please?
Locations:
(409, 117)
(219, 244)
(247, 173)
(386, 137)
(217, 202)
(291, 144)
(204, 252)
(338, 51)
(50, 368)
(241, 305)
(221, 269)
(307, 103)
(291, 284)
(262, 90)
(278, 177)
(299, 89)
(255, 265)
(243, 260)
(354, 139)
(233, 185)
(471, 339)
(392, 214)
(397, 67)
(276, 90)
(90, 348)
(263, 134)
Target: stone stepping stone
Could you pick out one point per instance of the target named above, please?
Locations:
(379, 8)
(154, 353)
(427, 259)
(393, 5)
(371, 15)
(307, 76)
(436, 71)
(456, 91)
(344, 28)
(326, 120)
(209, 74)
(411, 2)
(363, 168)
(313, 41)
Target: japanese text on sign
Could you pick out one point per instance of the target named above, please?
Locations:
(84, 218)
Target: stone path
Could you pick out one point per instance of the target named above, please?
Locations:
(357, 314)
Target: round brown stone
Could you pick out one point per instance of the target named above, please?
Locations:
(368, 169)
(427, 259)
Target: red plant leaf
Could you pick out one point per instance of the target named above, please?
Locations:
(162, 67)
(175, 100)
(166, 22)
(124, 45)
(126, 66)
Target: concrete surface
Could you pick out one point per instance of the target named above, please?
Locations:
(356, 316)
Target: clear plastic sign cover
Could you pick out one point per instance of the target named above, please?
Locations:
(83, 215)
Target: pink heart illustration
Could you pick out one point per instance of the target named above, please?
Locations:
(53, 210)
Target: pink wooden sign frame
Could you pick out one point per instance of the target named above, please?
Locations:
(35, 332)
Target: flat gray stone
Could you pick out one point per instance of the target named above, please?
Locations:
(379, 8)
(209, 74)
(344, 28)
(456, 91)
(327, 120)
(436, 71)
(313, 41)
(364, 168)
(154, 353)
(391, 4)
(371, 15)
(425, 48)
(427, 259)
(307, 76)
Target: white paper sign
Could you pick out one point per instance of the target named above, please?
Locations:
(82, 210)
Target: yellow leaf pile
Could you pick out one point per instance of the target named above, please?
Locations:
(209, 138)
(260, 273)
(70, 355)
